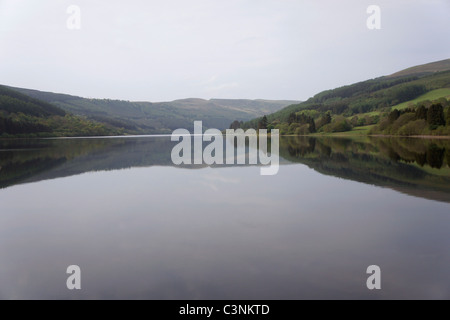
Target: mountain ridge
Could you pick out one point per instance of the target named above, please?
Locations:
(142, 117)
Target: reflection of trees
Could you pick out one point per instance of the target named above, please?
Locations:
(408, 150)
(378, 161)
(324, 149)
(421, 159)
(299, 146)
(435, 156)
(420, 151)
(22, 159)
(393, 155)
(11, 173)
(34, 160)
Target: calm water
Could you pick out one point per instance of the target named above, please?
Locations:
(141, 228)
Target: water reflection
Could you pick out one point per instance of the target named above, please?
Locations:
(419, 167)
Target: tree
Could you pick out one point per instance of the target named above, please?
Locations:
(355, 121)
(435, 116)
(326, 119)
(235, 125)
(340, 124)
(262, 124)
(2, 125)
(394, 115)
(444, 102)
(448, 117)
(312, 125)
(292, 118)
(421, 113)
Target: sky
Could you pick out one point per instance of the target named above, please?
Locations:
(162, 50)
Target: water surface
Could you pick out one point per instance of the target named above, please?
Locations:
(140, 227)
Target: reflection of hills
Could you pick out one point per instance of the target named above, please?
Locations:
(412, 166)
(24, 161)
(30, 161)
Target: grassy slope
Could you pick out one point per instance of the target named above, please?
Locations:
(432, 95)
(424, 68)
(357, 131)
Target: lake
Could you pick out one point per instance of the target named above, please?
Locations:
(140, 227)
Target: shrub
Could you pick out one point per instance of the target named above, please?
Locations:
(302, 130)
(413, 128)
(401, 121)
(339, 124)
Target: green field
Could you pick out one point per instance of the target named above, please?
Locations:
(362, 115)
(355, 132)
(360, 131)
(432, 95)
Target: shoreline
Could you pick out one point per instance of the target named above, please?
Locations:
(343, 135)
(314, 135)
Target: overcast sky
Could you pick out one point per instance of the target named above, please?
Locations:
(161, 50)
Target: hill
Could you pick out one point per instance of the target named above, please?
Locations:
(432, 67)
(370, 102)
(21, 115)
(160, 117)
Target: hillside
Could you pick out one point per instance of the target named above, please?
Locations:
(21, 115)
(370, 103)
(432, 67)
(160, 117)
